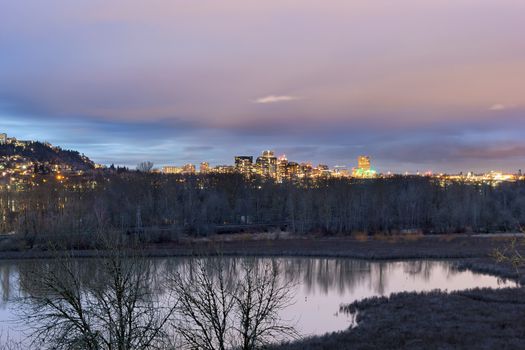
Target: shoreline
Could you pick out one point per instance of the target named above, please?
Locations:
(467, 252)
(472, 319)
(467, 317)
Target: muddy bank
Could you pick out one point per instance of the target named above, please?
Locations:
(481, 319)
(472, 252)
(382, 247)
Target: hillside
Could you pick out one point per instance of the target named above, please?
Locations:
(39, 152)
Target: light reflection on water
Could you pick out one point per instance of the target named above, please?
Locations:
(322, 285)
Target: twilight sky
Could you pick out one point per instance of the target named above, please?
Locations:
(417, 85)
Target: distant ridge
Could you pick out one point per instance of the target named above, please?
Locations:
(39, 152)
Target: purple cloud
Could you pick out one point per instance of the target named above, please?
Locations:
(207, 80)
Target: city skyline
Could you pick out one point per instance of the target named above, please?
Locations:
(267, 164)
(433, 85)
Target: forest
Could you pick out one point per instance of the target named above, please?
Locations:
(157, 207)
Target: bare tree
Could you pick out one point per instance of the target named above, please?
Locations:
(261, 295)
(205, 304)
(145, 167)
(113, 307)
(224, 303)
(513, 253)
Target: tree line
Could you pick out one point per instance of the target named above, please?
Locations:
(159, 207)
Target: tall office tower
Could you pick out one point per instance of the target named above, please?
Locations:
(364, 169)
(267, 164)
(244, 164)
(204, 168)
(293, 170)
(3, 139)
(306, 169)
(282, 168)
(363, 163)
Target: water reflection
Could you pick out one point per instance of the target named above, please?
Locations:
(344, 275)
(323, 284)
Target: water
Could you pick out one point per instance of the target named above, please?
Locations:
(322, 285)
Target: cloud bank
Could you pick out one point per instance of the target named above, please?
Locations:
(125, 79)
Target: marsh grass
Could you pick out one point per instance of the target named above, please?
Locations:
(476, 319)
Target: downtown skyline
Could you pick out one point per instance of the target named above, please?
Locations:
(417, 86)
(267, 164)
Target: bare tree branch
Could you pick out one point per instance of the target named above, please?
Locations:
(115, 308)
(225, 304)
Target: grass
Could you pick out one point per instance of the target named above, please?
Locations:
(477, 319)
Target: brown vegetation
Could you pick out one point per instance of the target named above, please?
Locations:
(156, 208)
(477, 319)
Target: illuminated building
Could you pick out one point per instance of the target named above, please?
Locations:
(363, 162)
(3, 139)
(244, 164)
(224, 169)
(282, 165)
(341, 171)
(204, 168)
(305, 169)
(293, 170)
(267, 164)
(241, 161)
(172, 170)
(364, 169)
(188, 169)
(322, 170)
(497, 176)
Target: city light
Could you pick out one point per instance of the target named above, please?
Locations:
(22, 172)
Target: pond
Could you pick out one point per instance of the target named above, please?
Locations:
(321, 286)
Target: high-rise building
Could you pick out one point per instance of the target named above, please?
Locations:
(204, 168)
(244, 165)
(3, 138)
(282, 165)
(364, 168)
(292, 170)
(267, 164)
(306, 169)
(363, 162)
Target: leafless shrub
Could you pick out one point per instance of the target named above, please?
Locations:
(512, 253)
(230, 304)
(114, 307)
(145, 167)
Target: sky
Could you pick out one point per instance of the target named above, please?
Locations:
(416, 85)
